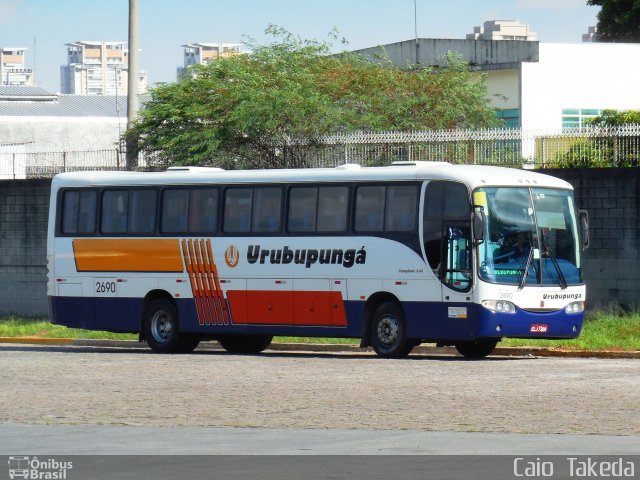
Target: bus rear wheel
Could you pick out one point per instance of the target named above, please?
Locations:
(477, 349)
(245, 343)
(162, 330)
(389, 332)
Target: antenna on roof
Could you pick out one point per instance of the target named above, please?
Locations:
(35, 77)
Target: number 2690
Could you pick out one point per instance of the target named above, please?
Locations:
(105, 287)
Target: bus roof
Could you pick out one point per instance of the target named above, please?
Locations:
(472, 175)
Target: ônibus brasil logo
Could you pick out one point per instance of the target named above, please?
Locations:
(231, 256)
(34, 468)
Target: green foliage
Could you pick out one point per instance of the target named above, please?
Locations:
(618, 20)
(612, 118)
(605, 151)
(585, 154)
(609, 329)
(269, 107)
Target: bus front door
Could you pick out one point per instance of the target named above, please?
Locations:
(456, 272)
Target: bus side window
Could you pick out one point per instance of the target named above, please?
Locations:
(174, 210)
(79, 212)
(115, 205)
(401, 208)
(142, 211)
(237, 210)
(333, 203)
(303, 203)
(267, 207)
(203, 210)
(370, 208)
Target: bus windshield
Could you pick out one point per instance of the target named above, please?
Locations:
(531, 237)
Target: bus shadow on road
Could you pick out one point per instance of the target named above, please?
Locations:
(361, 356)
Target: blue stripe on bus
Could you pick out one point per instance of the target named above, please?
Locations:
(425, 320)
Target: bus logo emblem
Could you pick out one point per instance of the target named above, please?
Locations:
(231, 256)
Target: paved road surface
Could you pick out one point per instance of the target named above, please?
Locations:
(100, 386)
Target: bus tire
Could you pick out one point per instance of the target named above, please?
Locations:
(245, 343)
(161, 328)
(389, 332)
(476, 349)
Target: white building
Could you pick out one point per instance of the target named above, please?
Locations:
(538, 86)
(12, 67)
(591, 35)
(203, 53)
(502, 30)
(571, 82)
(98, 68)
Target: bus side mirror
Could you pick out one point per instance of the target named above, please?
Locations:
(479, 221)
(583, 215)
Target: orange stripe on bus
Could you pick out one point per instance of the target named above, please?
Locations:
(127, 255)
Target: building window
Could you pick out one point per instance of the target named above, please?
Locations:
(577, 117)
(510, 117)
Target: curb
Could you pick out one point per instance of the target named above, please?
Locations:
(333, 348)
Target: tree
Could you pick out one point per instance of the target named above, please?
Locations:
(618, 20)
(612, 118)
(269, 107)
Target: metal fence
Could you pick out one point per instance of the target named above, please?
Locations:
(42, 164)
(596, 147)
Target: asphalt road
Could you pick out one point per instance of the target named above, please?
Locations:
(84, 400)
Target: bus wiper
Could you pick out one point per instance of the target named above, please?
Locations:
(549, 254)
(523, 278)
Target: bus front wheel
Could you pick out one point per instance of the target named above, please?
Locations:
(162, 331)
(477, 349)
(389, 332)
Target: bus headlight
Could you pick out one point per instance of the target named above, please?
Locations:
(499, 306)
(574, 307)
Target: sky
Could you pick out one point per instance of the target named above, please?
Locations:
(45, 26)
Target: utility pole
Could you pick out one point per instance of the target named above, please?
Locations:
(415, 28)
(132, 84)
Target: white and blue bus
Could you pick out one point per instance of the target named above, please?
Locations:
(395, 256)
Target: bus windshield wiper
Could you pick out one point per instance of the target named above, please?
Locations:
(523, 278)
(549, 254)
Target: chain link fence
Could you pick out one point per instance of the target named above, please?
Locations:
(586, 147)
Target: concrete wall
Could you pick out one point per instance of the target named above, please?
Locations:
(24, 209)
(611, 265)
(52, 134)
(486, 54)
(503, 88)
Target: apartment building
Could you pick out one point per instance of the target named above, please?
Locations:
(12, 67)
(203, 53)
(98, 68)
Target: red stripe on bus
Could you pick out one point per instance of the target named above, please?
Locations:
(322, 309)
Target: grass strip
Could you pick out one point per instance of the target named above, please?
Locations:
(611, 330)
